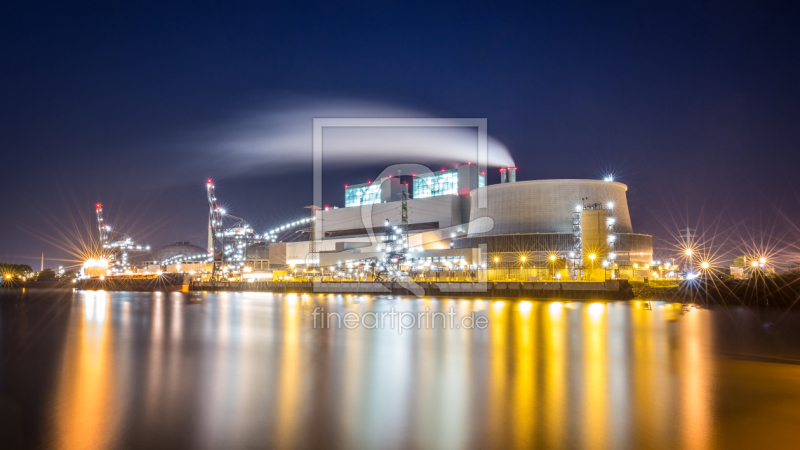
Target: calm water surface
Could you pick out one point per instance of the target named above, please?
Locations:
(232, 370)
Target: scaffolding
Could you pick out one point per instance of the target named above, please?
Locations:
(214, 228)
(313, 257)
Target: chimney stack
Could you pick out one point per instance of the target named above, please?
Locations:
(512, 174)
(503, 175)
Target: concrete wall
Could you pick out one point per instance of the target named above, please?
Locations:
(634, 248)
(445, 210)
(543, 206)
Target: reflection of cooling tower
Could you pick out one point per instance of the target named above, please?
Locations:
(512, 174)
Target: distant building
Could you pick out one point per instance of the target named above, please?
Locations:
(746, 265)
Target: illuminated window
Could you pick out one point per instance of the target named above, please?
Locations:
(435, 184)
(362, 194)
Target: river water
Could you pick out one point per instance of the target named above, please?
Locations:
(92, 369)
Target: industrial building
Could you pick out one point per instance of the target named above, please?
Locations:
(439, 225)
(451, 220)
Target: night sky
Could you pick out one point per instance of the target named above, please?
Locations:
(695, 108)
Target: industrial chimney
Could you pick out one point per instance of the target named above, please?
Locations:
(512, 174)
(503, 176)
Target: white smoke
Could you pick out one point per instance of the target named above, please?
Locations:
(280, 135)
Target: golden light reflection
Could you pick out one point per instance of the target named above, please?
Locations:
(596, 310)
(696, 388)
(595, 366)
(542, 375)
(352, 373)
(289, 380)
(523, 415)
(448, 427)
(84, 411)
(643, 379)
(155, 367)
(497, 395)
(555, 376)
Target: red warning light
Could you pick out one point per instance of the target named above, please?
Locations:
(413, 174)
(442, 170)
(483, 173)
(209, 181)
(99, 205)
(345, 185)
(469, 163)
(390, 176)
(368, 181)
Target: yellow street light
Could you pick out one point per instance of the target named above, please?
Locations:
(523, 259)
(755, 264)
(762, 260)
(688, 252)
(704, 265)
(592, 256)
(496, 259)
(552, 257)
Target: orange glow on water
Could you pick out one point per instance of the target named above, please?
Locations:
(250, 369)
(84, 406)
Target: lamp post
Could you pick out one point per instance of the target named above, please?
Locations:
(522, 266)
(704, 266)
(553, 264)
(689, 255)
(592, 256)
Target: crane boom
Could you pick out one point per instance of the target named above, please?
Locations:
(102, 229)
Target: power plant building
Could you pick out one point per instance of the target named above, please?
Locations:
(454, 218)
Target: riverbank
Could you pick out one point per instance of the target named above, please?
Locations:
(781, 291)
(608, 290)
(656, 290)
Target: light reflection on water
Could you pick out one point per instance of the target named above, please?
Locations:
(243, 370)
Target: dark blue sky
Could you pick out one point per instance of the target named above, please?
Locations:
(695, 107)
